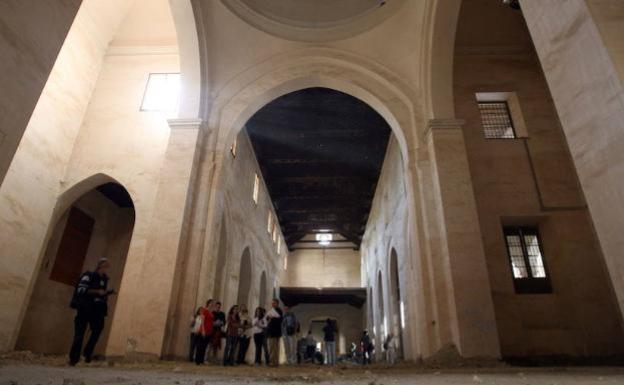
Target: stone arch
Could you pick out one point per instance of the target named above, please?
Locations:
(438, 52)
(93, 218)
(244, 278)
(395, 300)
(190, 65)
(262, 294)
(220, 269)
(382, 321)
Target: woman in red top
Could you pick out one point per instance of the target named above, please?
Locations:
(232, 332)
(205, 332)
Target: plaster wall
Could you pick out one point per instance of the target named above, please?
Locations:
(323, 268)
(47, 323)
(533, 182)
(35, 177)
(589, 97)
(31, 35)
(386, 230)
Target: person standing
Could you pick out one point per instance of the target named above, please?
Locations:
(391, 348)
(205, 332)
(196, 321)
(90, 301)
(289, 331)
(367, 348)
(310, 346)
(217, 332)
(329, 331)
(259, 335)
(244, 335)
(274, 331)
(231, 332)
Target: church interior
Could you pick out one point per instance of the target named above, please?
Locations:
(446, 173)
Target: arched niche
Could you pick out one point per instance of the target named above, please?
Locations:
(262, 297)
(92, 219)
(394, 292)
(244, 279)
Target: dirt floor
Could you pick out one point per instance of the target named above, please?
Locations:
(24, 369)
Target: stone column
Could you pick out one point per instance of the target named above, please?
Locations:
(462, 265)
(145, 297)
(580, 51)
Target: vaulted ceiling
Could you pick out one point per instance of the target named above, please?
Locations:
(320, 152)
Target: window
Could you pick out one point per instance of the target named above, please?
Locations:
(256, 188)
(526, 259)
(496, 120)
(274, 233)
(162, 93)
(233, 148)
(270, 222)
(279, 245)
(324, 239)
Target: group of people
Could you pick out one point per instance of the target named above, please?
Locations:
(209, 326)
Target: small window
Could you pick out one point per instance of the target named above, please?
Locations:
(496, 120)
(274, 233)
(270, 222)
(233, 148)
(162, 93)
(286, 262)
(256, 188)
(279, 245)
(526, 259)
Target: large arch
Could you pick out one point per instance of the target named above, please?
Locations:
(368, 81)
(244, 279)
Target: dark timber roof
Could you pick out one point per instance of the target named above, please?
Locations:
(320, 152)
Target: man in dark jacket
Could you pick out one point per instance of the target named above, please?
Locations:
(274, 332)
(90, 301)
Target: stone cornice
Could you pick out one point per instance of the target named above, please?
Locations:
(139, 50)
(185, 123)
(442, 124)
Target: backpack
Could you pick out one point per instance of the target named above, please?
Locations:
(77, 299)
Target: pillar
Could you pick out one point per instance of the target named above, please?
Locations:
(140, 321)
(580, 51)
(460, 257)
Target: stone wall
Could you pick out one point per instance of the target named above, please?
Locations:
(245, 225)
(531, 181)
(29, 192)
(386, 230)
(323, 268)
(31, 38)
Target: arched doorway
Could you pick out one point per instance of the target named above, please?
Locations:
(262, 297)
(221, 262)
(396, 311)
(382, 321)
(98, 223)
(244, 279)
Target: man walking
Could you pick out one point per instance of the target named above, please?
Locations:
(274, 331)
(90, 301)
(289, 331)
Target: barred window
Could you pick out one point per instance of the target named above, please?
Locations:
(527, 261)
(496, 120)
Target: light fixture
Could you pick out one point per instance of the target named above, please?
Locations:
(324, 239)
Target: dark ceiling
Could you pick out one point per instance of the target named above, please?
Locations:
(320, 152)
(354, 296)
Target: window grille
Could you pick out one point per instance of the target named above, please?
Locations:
(526, 259)
(496, 120)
